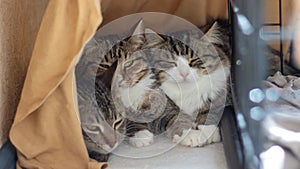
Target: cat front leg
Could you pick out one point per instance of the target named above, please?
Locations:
(142, 138)
(206, 134)
(191, 138)
(181, 131)
(211, 133)
(139, 135)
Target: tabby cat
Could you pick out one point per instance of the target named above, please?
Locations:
(141, 88)
(202, 78)
(161, 63)
(102, 127)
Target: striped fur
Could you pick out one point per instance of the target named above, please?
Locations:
(140, 64)
(156, 55)
(102, 127)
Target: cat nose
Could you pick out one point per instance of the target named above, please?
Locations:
(184, 74)
(112, 144)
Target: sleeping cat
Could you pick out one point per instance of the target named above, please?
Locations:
(183, 122)
(102, 127)
(134, 88)
(136, 93)
(202, 78)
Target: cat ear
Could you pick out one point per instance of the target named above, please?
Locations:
(214, 34)
(153, 38)
(138, 28)
(137, 37)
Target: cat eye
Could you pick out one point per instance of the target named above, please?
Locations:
(165, 64)
(199, 66)
(117, 124)
(128, 63)
(195, 61)
(93, 129)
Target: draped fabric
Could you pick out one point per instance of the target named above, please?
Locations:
(46, 131)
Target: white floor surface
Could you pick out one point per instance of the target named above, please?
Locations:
(163, 154)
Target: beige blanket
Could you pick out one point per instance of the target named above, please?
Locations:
(46, 130)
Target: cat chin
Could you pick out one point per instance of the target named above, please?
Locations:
(132, 96)
(190, 83)
(103, 149)
(191, 96)
(107, 149)
(185, 82)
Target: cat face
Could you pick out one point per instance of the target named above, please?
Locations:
(186, 69)
(102, 127)
(133, 62)
(105, 135)
(178, 63)
(189, 78)
(133, 69)
(132, 80)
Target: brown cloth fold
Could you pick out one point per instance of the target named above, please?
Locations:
(198, 12)
(46, 130)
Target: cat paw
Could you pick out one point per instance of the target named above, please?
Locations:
(206, 134)
(190, 138)
(211, 132)
(142, 138)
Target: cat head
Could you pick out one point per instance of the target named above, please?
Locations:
(179, 63)
(103, 136)
(133, 77)
(102, 127)
(133, 64)
(133, 69)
